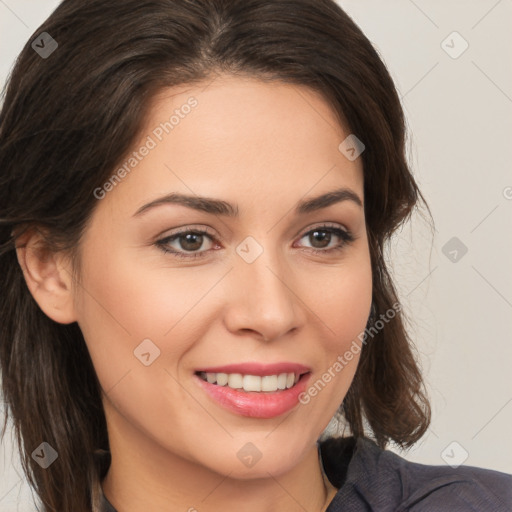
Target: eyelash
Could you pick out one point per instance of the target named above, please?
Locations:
(346, 237)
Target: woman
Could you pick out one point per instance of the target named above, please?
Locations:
(196, 195)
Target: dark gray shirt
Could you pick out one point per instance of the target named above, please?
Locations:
(370, 479)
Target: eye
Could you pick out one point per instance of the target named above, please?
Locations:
(188, 240)
(191, 240)
(323, 235)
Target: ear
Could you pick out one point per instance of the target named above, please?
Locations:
(48, 276)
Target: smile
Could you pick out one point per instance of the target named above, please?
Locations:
(254, 396)
(267, 383)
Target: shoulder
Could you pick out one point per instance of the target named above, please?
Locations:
(371, 479)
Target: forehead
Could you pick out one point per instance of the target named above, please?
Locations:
(240, 139)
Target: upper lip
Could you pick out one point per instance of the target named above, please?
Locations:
(258, 368)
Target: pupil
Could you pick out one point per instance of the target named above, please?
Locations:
(324, 236)
(195, 246)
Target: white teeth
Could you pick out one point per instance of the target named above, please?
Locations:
(269, 383)
(235, 380)
(281, 381)
(252, 382)
(221, 379)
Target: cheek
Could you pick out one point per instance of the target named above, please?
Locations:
(341, 300)
(127, 300)
(122, 303)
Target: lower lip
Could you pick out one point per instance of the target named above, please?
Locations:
(255, 404)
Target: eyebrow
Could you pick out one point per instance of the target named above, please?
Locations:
(219, 207)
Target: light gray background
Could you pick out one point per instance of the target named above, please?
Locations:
(459, 111)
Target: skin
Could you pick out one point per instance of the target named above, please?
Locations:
(264, 147)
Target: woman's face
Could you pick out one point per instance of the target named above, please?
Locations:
(251, 290)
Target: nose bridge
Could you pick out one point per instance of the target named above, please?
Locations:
(264, 300)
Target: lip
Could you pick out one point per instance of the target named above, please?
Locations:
(255, 404)
(258, 369)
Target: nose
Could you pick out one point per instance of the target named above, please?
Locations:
(261, 298)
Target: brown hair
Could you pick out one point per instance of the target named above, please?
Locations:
(68, 120)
